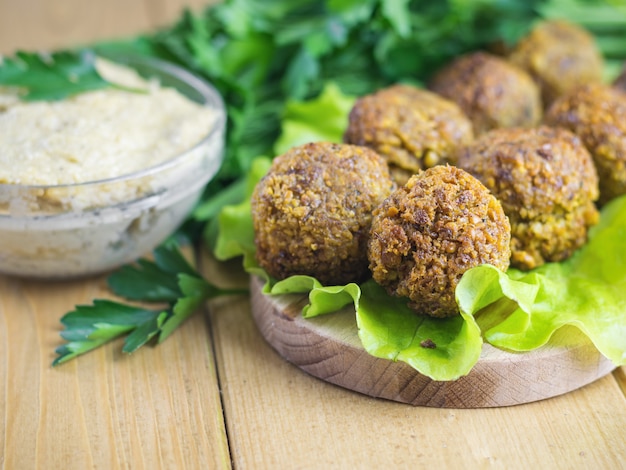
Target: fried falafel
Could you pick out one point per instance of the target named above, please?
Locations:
(413, 129)
(427, 233)
(492, 92)
(559, 56)
(597, 114)
(312, 211)
(547, 184)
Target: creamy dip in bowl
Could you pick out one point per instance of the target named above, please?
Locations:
(101, 178)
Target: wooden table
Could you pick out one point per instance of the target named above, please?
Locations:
(215, 395)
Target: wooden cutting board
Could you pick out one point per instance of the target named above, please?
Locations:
(328, 347)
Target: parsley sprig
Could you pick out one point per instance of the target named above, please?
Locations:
(169, 281)
(55, 76)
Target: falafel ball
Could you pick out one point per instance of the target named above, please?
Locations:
(312, 211)
(597, 114)
(413, 129)
(492, 92)
(430, 231)
(547, 184)
(559, 56)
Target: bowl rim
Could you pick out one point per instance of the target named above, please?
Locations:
(211, 96)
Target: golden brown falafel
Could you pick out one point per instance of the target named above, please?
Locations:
(559, 56)
(430, 231)
(547, 184)
(492, 92)
(412, 128)
(312, 211)
(597, 114)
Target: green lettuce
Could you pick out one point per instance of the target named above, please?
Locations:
(517, 311)
(443, 349)
(319, 119)
(521, 311)
(236, 233)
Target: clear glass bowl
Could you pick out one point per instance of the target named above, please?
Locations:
(74, 230)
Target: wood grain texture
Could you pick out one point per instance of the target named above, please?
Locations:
(620, 376)
(44, 24)
(159, 408)
(278, 416)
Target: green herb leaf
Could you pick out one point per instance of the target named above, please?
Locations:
(152, 281)
(51, 77)
(397, 13)
(169, 280)
(194, 292)
(146, 281)
(211, 207)
(90, 326)
(144, 333)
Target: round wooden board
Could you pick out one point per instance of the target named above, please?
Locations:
(328, 347)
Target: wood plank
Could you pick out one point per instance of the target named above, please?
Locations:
(39, 24)
(277, 416)
(620, 376)
(159, 408)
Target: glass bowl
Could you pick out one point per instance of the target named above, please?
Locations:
(73, 230)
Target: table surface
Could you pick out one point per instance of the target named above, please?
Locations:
(215, 395)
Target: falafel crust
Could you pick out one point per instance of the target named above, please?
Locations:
(312, 211)
(547, 184)
(559, 56)
(430, 231)
(597, 114)
(492, 92)
(413, 129)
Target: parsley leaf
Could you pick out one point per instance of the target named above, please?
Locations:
(52, 76)
(169, 280)
(152, 281)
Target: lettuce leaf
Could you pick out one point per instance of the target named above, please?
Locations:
(521, 311)
(321, 119)
(236, 233)
(443, 349)
(517, 311)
